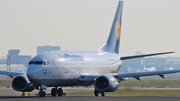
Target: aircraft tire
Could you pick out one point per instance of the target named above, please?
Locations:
(60, 92)
(53, 92)
(96, 93)
(103, 94)
(44, 93)
(23, 94)
(41, 93)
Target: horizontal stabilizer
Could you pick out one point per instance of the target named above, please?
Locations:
(145, 55)
(140, 74)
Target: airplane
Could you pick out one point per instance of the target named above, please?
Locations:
(149, 68)
(152, 68)
(59, 69)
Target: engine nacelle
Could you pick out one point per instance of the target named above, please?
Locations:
(106, 83)
(21, 84)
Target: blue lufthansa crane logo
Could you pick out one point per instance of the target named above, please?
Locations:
(44, 72)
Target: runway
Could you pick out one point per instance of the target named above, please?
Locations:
(68, 89)
(48, 90)
(90, 99)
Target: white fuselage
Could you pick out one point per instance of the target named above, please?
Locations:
(63, 68)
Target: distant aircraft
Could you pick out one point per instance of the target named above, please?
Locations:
(59, 69)
(149, 68)
(170, 67)
(152, 68)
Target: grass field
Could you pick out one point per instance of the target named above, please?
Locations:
(131, 83)
(5, 83)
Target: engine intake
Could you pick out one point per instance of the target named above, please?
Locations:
(106, 83)
(21, 84)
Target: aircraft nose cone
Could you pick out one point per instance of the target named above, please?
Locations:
(30, 72)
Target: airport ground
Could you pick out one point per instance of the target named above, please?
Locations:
(90, 99)
(123, 94)
(122, 91)
(86, 94)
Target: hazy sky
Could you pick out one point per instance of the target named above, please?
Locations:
(148, 25)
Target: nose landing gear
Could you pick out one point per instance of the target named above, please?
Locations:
(42, 93)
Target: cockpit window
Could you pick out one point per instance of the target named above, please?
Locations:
(39, 62)
(47, 62)
(31, 62)
(44, 63)
(36, 62)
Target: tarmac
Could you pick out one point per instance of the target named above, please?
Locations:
(75, 89)
(48, 90)
(9, 98)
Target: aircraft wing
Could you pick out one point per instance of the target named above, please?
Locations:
(11, 73)
(144, 55)
(91, 78)
(141, 74)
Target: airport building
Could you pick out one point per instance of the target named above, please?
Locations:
(46, 48)
(14, 62)
(15, 58)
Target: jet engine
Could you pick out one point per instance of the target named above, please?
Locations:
(21, 84)
(106, 83)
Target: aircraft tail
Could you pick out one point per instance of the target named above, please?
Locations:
(113, 41)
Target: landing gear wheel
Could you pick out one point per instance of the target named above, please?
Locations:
(96, 92)
(103, 94)
(23, 94)
(60, 92)
(53, 91)
(42, 93)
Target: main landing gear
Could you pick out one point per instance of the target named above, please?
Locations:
(96, 93)
(58, 91)
(54, 92)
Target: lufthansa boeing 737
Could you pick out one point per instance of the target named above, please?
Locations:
(59, 69)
